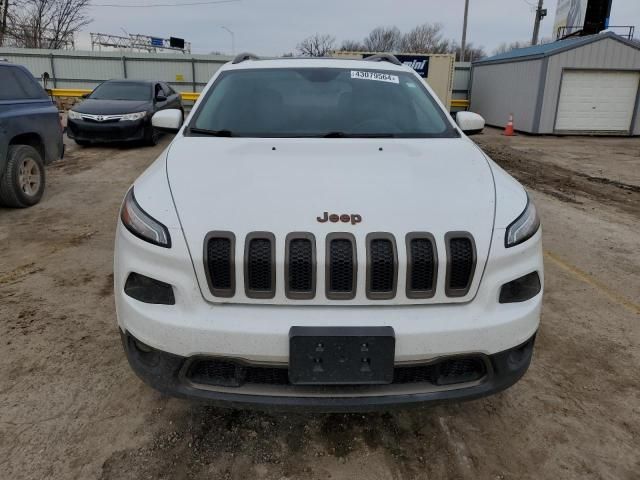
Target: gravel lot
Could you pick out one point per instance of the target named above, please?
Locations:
(70, 407)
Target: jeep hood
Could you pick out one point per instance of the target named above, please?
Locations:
(282, 185)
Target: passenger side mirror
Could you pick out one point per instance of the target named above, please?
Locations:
(169, 120)
(470, 123)
(161, 98)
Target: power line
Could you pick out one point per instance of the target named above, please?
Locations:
(155, 5)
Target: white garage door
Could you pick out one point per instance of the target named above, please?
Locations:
(597, 101)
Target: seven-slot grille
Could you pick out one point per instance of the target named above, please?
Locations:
(259, 265)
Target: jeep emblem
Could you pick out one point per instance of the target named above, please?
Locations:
(354, 218)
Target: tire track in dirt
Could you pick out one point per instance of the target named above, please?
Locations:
(562, 183)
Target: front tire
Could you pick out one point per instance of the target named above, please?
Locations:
(23, 182)
(151, 136)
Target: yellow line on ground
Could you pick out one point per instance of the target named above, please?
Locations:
(589, 280)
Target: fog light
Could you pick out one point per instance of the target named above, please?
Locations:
(148, 290)
(520, 289)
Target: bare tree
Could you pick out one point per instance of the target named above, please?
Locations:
(425, 38)
(472, 53)
(316, 45)
(46, 23)
(4, 15)
(507, 47)
(383, 39)
(352, 46)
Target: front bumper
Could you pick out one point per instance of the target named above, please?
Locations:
(88, 131)
(167, 373)
(259, 333)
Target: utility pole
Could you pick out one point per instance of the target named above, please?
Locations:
(4, 7)
(540, 14)
(463, 45)
(233, 40)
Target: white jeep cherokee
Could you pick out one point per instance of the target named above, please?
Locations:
(321, 234)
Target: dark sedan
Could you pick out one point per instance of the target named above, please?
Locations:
(121, 111)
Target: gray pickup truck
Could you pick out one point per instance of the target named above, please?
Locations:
(30, 136)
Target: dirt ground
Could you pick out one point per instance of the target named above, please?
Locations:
(70, 407)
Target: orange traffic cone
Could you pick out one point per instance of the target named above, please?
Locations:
(508, 130)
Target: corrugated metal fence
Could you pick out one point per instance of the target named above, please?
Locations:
(84, 70)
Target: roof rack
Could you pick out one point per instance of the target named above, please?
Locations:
(242, 57)
(383, 57)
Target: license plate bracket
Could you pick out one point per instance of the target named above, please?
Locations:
(341, 355)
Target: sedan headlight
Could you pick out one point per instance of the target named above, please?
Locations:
(141, 224)
(524, 227)
(74, 115)
(133, 116)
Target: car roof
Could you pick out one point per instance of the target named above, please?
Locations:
(322, 62)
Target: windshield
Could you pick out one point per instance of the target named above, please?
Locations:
(122, 91)
(319, 102)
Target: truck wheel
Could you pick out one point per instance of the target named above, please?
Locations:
(22, 184)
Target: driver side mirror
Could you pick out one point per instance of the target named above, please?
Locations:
(161, 98)
(470, 123)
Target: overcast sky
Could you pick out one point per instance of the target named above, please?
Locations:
(273, 27)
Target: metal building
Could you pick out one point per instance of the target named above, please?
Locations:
(583, 85)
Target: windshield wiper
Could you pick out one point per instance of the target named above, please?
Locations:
(338, 134)
(212, 133)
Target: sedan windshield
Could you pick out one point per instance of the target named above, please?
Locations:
(320, 102)
(122, 91)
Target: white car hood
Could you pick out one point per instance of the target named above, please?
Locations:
(283, 185)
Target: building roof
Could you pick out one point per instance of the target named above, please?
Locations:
(547, 49)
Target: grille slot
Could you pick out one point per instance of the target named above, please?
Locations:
(341, 266)
(422, 265)
(219, 263)
(259, 265)
(382, 265)
(300, 266)
(461, 263)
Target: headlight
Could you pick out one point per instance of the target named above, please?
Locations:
(74, 115)
(141, 224)
(133, 116)
(523, 227)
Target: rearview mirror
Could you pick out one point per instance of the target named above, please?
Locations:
(470, 123)
(167, 120)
